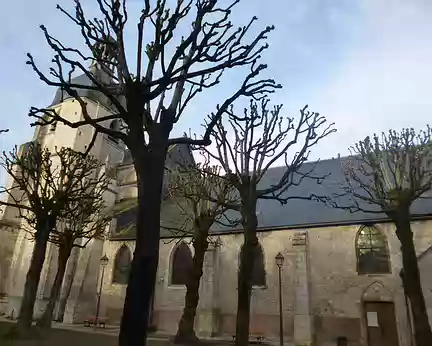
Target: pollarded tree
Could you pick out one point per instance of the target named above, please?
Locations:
(173, 69)
(387, 175)
(81, 221)
(43, 186)
(261, 137)
(193, 188)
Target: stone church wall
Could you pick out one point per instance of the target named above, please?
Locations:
(338, 291)
(220, 294)
(264, 300)
(323, 294)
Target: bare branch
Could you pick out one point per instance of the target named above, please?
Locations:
(387, 173)
(261, 137)
(211, 44)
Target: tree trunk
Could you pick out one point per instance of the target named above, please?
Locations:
(32, 279)
(412, 283)
(186, 332)
(70, 272)
(47, 317)
(249, 222)
(149, 164)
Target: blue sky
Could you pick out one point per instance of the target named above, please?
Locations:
(364, 64)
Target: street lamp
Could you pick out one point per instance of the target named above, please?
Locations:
(279, 262)
(103, 262)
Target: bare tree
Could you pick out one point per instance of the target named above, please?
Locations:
(387, 175)
(81, 221)
(41, 191)
(261, 137)
(193, 187)
(150, 101)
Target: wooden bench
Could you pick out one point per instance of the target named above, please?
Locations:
(91, 320)
(256, 339)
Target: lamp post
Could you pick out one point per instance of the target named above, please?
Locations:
(279, 262)
(103, 262)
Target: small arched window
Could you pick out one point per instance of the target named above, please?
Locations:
(258, 271)
(122, 263)
(53, 126)
(181, 265)
(372, 252)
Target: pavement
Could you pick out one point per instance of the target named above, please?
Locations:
(112, 332)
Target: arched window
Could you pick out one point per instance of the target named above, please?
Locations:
(114, 125)
(122, 265)
(258, 272)
(181, 265)
(372, 252)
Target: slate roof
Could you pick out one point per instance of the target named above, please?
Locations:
(305, 213)
(84, 80)
(298, 213)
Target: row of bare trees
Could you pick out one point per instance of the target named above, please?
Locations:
(59, 197)
(383, 175)
(260, 137)
(148, 96)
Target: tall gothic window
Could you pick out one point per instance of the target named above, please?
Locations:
(181, 265)
(122, 263)
(372, 252)
(258, 273)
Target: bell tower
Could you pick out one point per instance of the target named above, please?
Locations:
(109, 151)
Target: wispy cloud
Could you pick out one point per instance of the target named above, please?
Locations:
(384, 81)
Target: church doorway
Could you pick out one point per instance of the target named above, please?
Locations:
(381, 324)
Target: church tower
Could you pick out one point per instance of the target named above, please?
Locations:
(109, 151)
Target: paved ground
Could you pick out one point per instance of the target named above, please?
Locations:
(73, 336)
(76, 335)
(60, 337)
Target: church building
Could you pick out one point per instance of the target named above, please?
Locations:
(340, 275)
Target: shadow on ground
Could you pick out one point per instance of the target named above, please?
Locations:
(58, 337)
(64, 337)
